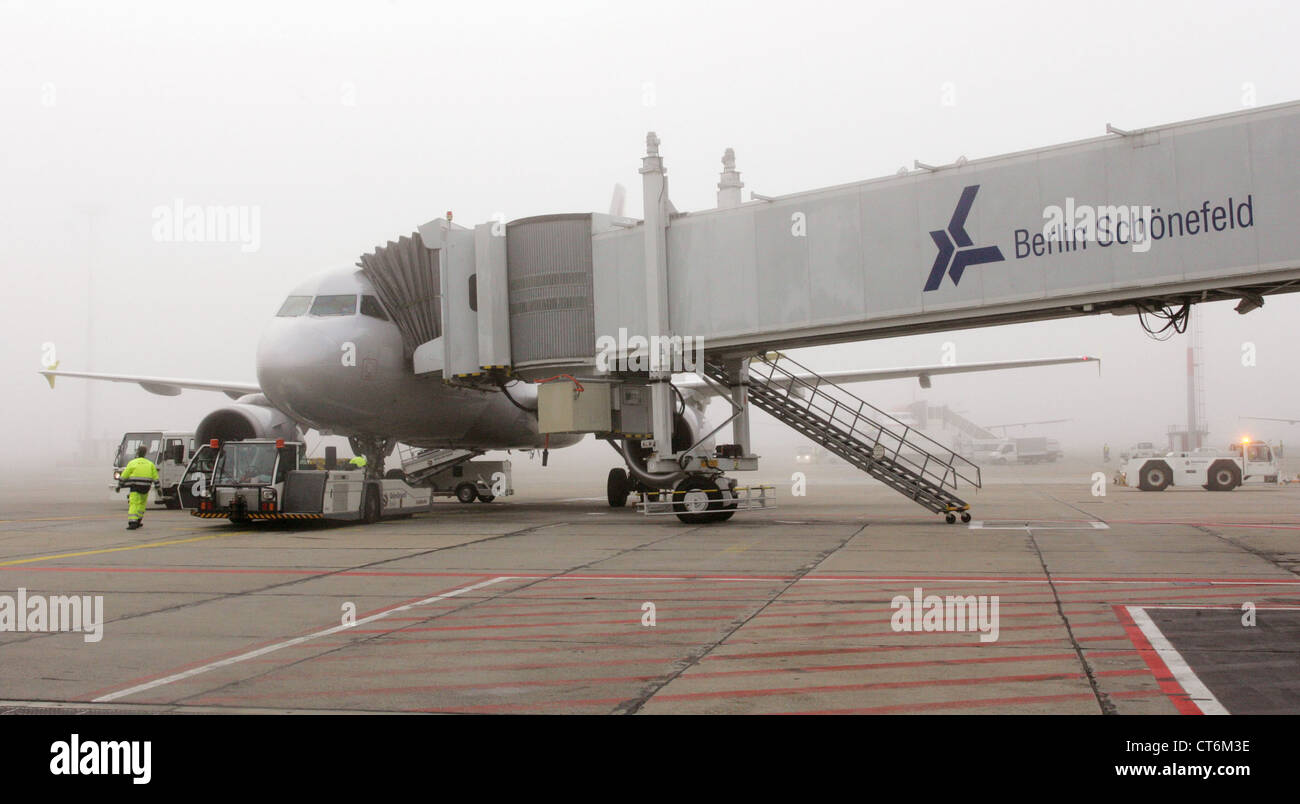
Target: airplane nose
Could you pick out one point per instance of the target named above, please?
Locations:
(294, 362)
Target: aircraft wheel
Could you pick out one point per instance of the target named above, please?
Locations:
(370, 509)
(697, 500)
(394, 474)
(466, 493)
(617, 488)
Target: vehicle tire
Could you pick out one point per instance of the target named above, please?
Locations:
(174, 502)
(370, 507)
(617, 488)
(486, 498)
(965, 516)
(394, 474)
(1223, 476)
(697, 500)
(466, 493)
(1155, 476)
(950, 518)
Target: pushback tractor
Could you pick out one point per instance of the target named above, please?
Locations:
(264, 480)
(1211, 469)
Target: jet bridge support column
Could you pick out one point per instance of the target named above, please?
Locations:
(739, 370)
(654, 194)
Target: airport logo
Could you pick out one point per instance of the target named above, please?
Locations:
(951, 613)
(93, 758)
(179, 222)
(957, 251)
(675, 353)
(39, 613)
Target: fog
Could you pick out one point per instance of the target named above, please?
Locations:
(346, 125)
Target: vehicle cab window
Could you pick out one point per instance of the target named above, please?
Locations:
(334, 305)
(294, 306)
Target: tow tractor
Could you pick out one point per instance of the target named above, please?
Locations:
(1213, 470)
(169, 451)
(259, 479)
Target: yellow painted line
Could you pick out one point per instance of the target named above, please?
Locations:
(120, 549)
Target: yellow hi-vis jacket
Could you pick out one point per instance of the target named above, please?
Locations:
(140, 474)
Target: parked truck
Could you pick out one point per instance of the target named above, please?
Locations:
(169, 450)
(1034, 449)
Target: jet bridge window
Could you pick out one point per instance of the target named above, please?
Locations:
(370, 306)
(294, 306)
(334, 305)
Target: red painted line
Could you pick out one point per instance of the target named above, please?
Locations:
(235, 699)
(972, 703)
(245, 649)
(631, 619)
(893, 685)
(795, 690)
(1001, 643)
(1164, 678)
(1040, 657)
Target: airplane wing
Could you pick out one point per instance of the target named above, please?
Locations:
(1267, 419)
(922, 373)
(165, 386)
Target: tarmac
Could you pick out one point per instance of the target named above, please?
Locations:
(549, 601)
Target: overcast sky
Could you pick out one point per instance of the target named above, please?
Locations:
(347, 125)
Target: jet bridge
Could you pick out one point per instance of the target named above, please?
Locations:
(1144, 222)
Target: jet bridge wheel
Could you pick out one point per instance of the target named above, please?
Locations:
(698, 500)
(617, 487)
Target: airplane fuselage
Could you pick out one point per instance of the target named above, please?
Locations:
(347, 374)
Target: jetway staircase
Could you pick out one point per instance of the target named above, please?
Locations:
(897, 455)
(420, 464)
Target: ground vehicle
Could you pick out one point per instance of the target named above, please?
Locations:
(1018, 450)
(468, 481)
(1213, 470)
(261, 479)
(1142, 449)
(170, 451)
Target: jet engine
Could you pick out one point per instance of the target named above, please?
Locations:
(252, 416)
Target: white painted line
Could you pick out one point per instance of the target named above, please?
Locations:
(980, 524)
(253, 654)
(1198, 692)
(583, 499)
(1226, 608)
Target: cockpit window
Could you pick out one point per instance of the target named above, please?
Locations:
(294, 305)
(334, 305)
(370, 306)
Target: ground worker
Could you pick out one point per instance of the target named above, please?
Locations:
(140, 475)
(358, 462)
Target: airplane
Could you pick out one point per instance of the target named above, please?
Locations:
(303, 384)
(1267, 419)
